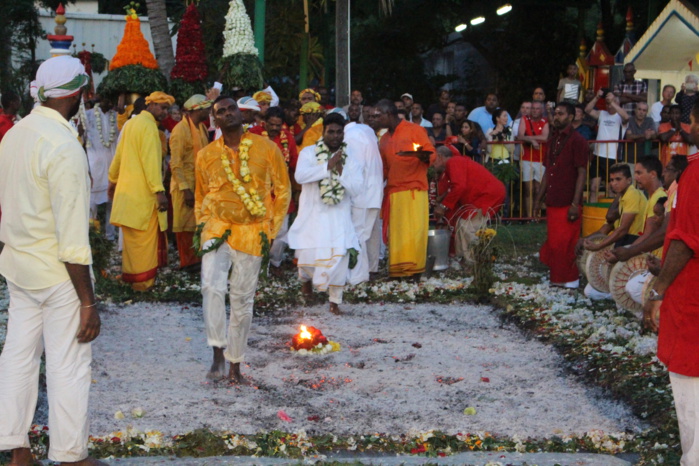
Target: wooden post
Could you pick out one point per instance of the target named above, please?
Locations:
(260, 10)
(342, 53)
(303, 68)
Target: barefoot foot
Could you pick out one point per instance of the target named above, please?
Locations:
(22, 457)
(307, 290)
(235, 377)
(218, 367)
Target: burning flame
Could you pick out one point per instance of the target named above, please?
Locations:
(416, 147)
(305, 334)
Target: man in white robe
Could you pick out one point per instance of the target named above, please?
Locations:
(361, 142)
(323, 234)
(100, 152)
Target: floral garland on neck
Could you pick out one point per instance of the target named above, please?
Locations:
(112, 126)
(331, 191)
(251, 199)
(284, 141)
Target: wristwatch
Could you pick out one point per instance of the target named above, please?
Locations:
(655, 296)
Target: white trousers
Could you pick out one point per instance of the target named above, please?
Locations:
(634, 287)
(466, 229)
(109, 229)
(364, 221)
(45, 319)
(215, 272)
(375, 248)
(276, 251)
(685, 391)
(326, 268)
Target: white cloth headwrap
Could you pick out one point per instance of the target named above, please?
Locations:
(60, 77)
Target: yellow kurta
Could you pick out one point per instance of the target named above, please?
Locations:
(313, 134)
(220, 208)
(136, 170)
(183, 149)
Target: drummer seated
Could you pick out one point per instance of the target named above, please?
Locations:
(469, 196)
(632, 205)
(656, 224)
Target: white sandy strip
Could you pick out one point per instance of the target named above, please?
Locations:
(154, 356)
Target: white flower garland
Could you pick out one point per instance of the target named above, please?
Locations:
(112, 125)
(331, 191)
(82, 120)
(237, 35)
(252, 201)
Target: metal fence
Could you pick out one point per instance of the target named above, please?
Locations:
(503, 159)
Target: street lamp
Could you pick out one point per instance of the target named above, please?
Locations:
(460, 27)
(478, 20)
(504, 9)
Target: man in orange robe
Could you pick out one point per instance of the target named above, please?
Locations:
(188, 137)
(406, 203)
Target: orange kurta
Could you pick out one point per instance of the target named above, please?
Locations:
(220, 208)
(404, 173)
(405, 216)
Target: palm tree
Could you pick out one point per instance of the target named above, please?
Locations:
(160, 33)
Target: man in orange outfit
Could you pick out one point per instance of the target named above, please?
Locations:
(242, 192)
(188, 137)
(406, 203)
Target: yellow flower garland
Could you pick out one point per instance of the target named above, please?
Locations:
(252, 201)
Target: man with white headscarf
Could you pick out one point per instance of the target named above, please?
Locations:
(139, 202)
(45, 196)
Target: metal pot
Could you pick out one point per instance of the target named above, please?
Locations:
(438, 248)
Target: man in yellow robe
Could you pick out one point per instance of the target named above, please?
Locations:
(312, 114)
(188, 137)
(136, 187)
(242, 192)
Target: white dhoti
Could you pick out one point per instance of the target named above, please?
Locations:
(592, 293)
(46, 319)
(376, 249)
(327, 268)
(634, 287)
(215, 272)
(466, 228)
(685, 391)
(276, 251)
(364, 221)
(95, 201)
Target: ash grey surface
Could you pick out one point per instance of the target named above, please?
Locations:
(385, 379)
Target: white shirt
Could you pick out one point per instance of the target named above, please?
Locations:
(361, 141)
(655, 110)
(45, 198)
(319, 225)
(424, 123)
(99, 156)
(609, 129)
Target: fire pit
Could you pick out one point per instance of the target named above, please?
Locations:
(311, 340)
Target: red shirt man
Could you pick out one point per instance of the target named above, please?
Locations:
(566, 168)
(469, 187)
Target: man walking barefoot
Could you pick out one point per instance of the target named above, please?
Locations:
(242, 192)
